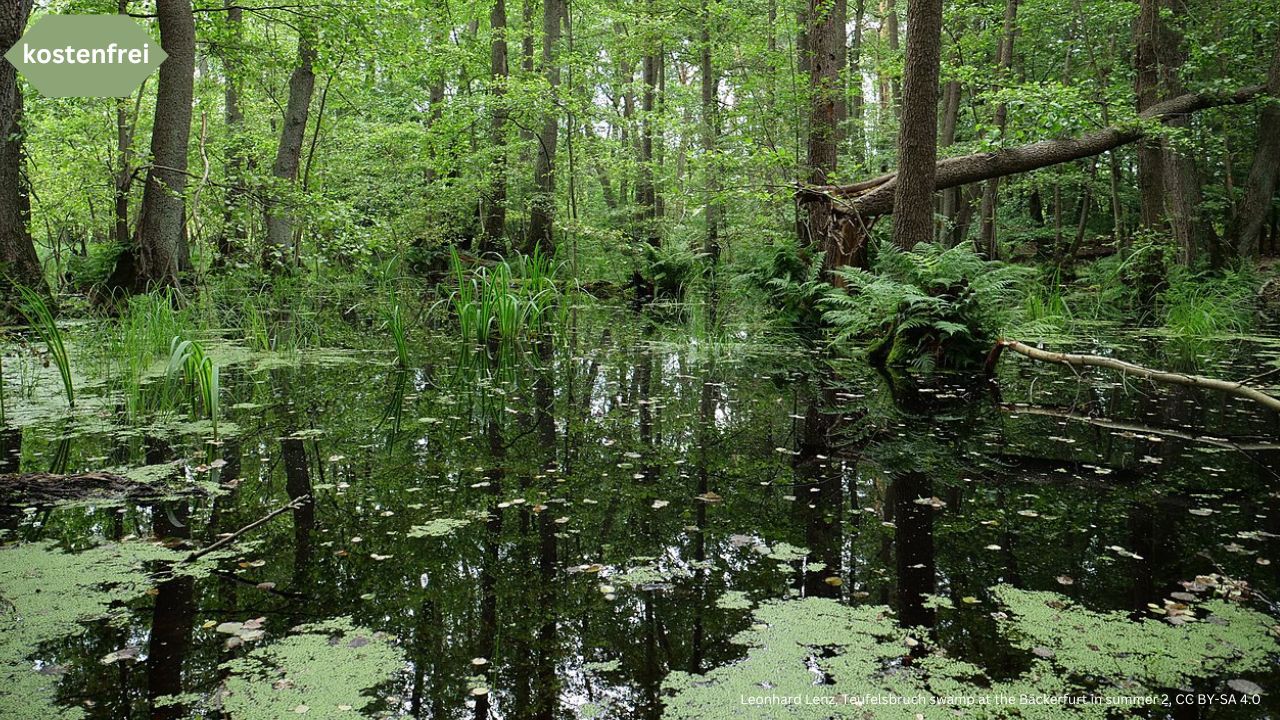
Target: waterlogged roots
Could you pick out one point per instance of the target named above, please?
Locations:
(50, 489)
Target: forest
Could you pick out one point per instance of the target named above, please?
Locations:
(624, 359)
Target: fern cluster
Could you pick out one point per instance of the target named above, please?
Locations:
(928, 307)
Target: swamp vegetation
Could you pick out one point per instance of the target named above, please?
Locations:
(642, 359)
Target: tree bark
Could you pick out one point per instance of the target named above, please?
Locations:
(19, 264)
(918, 137)
(279, 250)
(825, 24)
(159, 251)
(495, 213)
(646, 190)
(1245, 228)
(857, 130)
(1004, 63)
(710, 86)
(543, 204)
(235, 231)
(1147, 38)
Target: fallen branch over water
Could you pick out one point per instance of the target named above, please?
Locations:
(293, 505)
(1175, 378)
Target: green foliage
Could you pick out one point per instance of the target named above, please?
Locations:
(671, 268)
(928, 307)
(41, 317)
(789, 280)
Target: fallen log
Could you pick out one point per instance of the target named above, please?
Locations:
(1176, 378)
(1136, 429)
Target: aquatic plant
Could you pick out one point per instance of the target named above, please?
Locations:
(393, 316)
(505, 302)
(928, 307)
(199, 376)
(39, 314)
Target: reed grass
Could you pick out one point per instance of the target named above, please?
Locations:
(39, 314)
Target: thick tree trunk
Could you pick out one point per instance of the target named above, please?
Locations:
(825, 31)
(1245, 228)
(19, 264)
(543, 204)
(278, 252)
(918, 138)
(1147, 38)
(235, 232)
(1184, 200)
(494, 221)
(710, 82)
(990, 192)
(159, 251)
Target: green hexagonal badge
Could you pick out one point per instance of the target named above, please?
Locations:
(86, 55)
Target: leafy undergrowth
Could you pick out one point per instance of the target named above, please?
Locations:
(817, 658)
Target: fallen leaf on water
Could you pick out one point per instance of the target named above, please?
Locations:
(659, 504)
(129, 653)
(1247, 687)
(1066, 580)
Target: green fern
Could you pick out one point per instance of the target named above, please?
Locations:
(931, 307)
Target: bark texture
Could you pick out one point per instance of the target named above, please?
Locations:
(278, 252)
(159, 250)
(494, 221)
(543, 204)
(1250, 216)
(18, 261)
(918, 137)
(235, 231)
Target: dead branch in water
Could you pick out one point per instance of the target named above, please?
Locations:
(1175, 378)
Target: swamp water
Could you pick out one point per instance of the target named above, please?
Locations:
(646, 525)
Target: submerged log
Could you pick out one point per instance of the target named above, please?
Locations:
(50, 488)
(1176, 378)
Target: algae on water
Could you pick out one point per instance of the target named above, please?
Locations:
(328, 668)
(817, 658)
(48, 595)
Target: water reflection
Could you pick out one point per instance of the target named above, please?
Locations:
(617, 510)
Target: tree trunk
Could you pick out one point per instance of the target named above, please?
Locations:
(279, 251)
(159, 250)
(646, 191)
(235, 231)
(710, 135)
(543, 203)
(19, 264)
(495, 211)
(1184, 200)
(950, 117)
(890, 90)
(1147, 38)
(857, 130)
(1004, 63)
(825, 25)
(918, 138)
(1245, 228)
